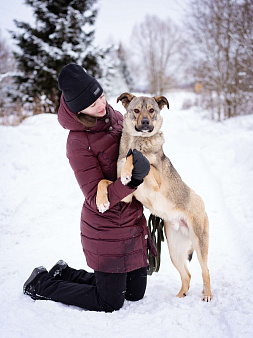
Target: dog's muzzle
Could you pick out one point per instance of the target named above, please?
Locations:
(145, 126)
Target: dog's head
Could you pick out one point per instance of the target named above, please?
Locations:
(143, 113)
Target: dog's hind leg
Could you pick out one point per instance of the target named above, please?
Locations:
(179, 247)
(200, 244)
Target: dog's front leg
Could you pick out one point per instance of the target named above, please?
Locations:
(126, 171)
(102, 201)
(154, 178)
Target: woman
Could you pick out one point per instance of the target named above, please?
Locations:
(115, 242)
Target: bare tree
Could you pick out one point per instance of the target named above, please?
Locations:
(124, 68)
(220, 30)
(243, 38)
(157, 45)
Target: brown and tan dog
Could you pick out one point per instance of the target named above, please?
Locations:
(163, 192)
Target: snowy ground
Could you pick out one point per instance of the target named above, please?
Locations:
(40, 204)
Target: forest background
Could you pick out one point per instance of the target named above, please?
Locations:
(202, 46)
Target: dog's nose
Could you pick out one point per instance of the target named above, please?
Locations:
(145, 122)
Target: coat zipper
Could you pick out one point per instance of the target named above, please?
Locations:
(119, 213)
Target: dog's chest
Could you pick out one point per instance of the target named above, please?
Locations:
(139, 144)
(146, 145)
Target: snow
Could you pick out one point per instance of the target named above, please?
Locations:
(39, 218)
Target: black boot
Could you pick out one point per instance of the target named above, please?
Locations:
(57, 269)
(30, 284)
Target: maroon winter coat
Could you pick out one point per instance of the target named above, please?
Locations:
(115, 241)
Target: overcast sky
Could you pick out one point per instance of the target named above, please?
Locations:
(115, 20)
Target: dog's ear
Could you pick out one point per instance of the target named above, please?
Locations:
(162, 101)
(125, 98)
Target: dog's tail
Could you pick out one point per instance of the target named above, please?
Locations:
(190, 253)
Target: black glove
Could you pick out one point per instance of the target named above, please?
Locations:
(140, 170)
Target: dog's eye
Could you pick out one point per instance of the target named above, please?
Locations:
(151, 110)
(136, 111)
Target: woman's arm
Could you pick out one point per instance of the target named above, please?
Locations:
(88, 174)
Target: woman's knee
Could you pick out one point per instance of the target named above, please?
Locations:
(136, 284)
(135, 296)
(111, 290)
(114, 304)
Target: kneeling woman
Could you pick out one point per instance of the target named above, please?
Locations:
(115, 242)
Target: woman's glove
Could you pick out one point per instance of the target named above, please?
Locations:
(140, 170)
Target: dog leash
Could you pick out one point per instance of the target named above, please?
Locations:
(155, 225)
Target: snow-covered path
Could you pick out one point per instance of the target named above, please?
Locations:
(40, 204)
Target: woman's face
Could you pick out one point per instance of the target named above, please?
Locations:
(97, 109)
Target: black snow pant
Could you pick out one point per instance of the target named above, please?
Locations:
(98, 291)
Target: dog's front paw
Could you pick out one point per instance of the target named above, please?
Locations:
(102, 203)
(125, 179)
(103, 207)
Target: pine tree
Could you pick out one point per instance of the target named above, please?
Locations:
(63, 33)
(7, 67)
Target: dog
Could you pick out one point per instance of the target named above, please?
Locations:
(163, 192)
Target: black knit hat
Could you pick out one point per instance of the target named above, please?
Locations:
(79, 89)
